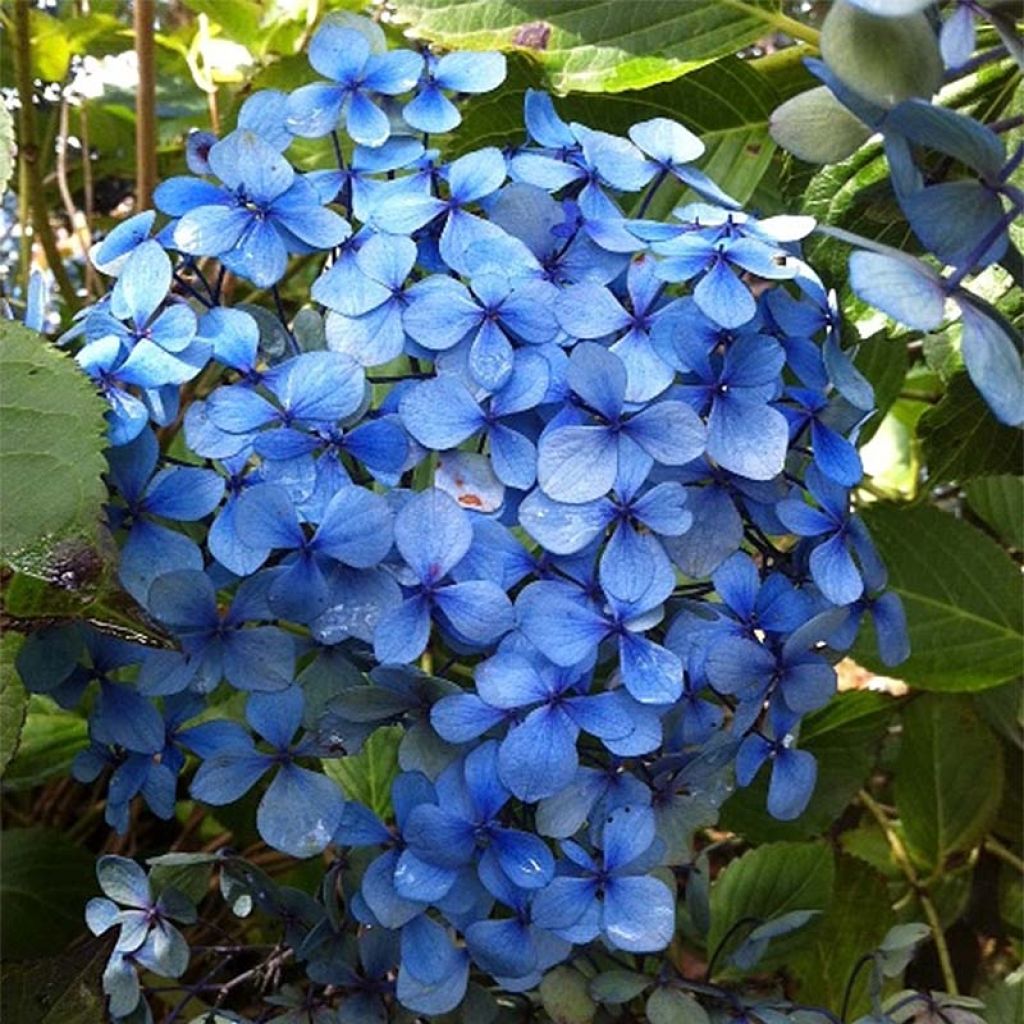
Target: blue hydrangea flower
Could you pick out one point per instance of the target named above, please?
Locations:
(261, 213)
(301, 809)
(215, 640)
(442, 414)
(579, 463)
(465, 821)
(431, 110)
(351, 53)
(432, 534)
(831, 562)
(442, 312)
(538, 756)
(568, 630)
(612, 895)
(354, 530)
(793, 771)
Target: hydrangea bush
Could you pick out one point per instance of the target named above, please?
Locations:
(557, 492)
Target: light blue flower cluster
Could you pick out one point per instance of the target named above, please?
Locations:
(564, 492)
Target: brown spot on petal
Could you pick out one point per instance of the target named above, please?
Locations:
(471, 500)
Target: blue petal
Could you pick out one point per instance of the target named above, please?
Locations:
(223, 778)
(299, 811)
(747, 438)
(440, 413)
(994, 364)
(834, 571)
(792, 783)
(561, 528)
(525, 858)
(577, 464)
(651, 673)
(538, 757)
(432, 534)
(479, 610)
(563, 629)
(639, 914)
(904, 288)
(401, 634)
(356, 528)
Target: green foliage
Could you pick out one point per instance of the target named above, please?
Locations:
(949, 777)
(51, 442)
(854, 921)
(596, 45)
(962, 596)
(56, 990)
(765, 883)
(367, 776)
(50, 738)
(670, 1006)
(13, 700)
(961, 439)
(44, 882)
(999, 501)
(564, 996)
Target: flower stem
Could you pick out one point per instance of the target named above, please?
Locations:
(29, 153)
(902, 858)
(145, 105)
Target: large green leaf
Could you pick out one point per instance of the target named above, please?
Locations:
(50, 738)
(857, 918)
(999, 501)
(367, 776)
(949, 777)
(766, 883)
(962, 595)
(13, 699)
(961, 439)
(597, 45)
(45, 881)
(843, 737)
(58, 990)
(728, 104)
(51, 444)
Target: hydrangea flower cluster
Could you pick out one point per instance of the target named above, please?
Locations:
(563, 491)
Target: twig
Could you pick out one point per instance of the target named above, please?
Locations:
(902, 858)
(145, 105)
(29, 151)
(996, 848)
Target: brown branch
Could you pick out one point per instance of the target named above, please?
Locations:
(145, 105)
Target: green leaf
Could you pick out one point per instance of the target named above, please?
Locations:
(765, 883)
(949, 777)
(962, 594)
(13, 699)
(50, 738)
(844, 737)
(999, 501)
(51, 50)
(367, 776)
(1004, 1003)
(670, 1006)
(961, 439)
(45, 881)
(854, 922)
(563, 994)
(51, 444)
(58, 990)
(884, 361)
(596, 45)
(728, 104)
(613, 987)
